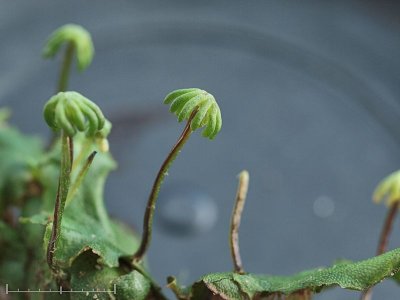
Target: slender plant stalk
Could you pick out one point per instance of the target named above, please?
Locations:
(241, 194)
(62, 193)
(384, 239)
(79, 178)
(71, 151)
(151, 204)
(65, 68)
(387, 228)
(63, 81)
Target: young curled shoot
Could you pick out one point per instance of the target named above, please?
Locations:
(388, 190)
(77, 39)
(70, 113)
(199, 109)
(241, 194)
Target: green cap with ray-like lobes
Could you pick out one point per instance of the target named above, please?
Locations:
(184, 101)
(389, 189)
(78, 36)
(73, 112)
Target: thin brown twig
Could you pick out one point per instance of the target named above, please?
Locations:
(241, 194)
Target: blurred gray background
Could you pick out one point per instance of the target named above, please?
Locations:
(309, 93)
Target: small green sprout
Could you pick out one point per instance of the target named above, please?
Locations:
(184, 101)
(75, 35)
(72, 112)
(200, 109)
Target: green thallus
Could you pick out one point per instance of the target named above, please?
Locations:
(70, 112)
(77, 39)
(199, 109)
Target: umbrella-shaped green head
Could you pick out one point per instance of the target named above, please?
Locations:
(78, 36)
(72, 112)
(184, 102)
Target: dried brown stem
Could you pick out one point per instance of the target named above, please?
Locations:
(241, 193)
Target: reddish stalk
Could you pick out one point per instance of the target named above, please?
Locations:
(149, 214)
(61, 197)
(387, 228)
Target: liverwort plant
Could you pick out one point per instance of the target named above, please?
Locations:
(200, 109)
(77, 39)
(69, 112)
(89, 251)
